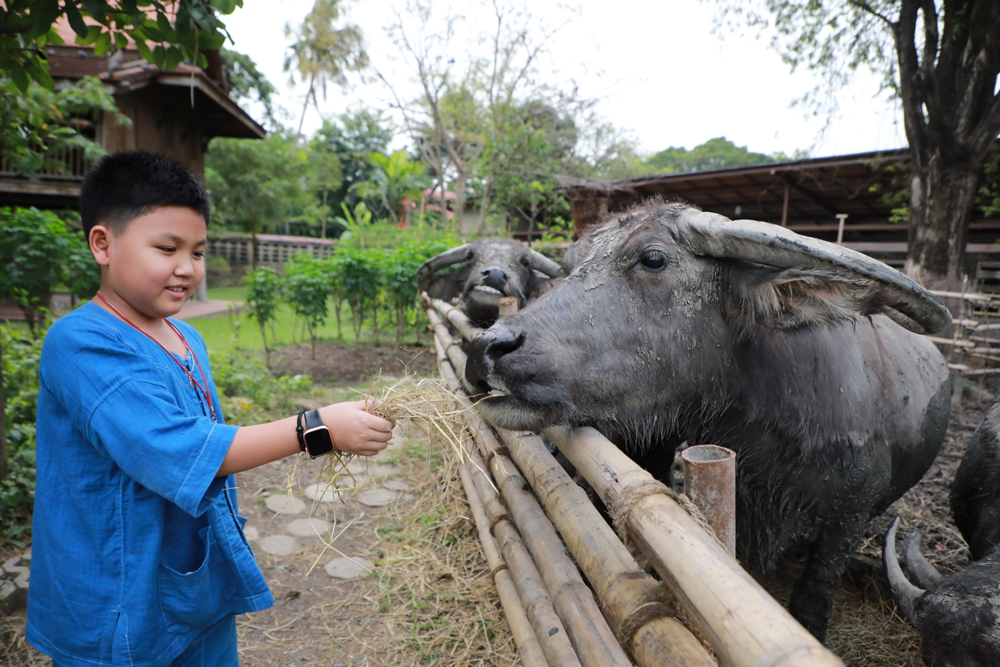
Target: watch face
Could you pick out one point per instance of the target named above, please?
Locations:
(318, 441)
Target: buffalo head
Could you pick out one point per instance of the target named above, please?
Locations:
(958, 615)
(492, 268)
(673, 324)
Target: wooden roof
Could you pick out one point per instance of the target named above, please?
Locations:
(804, 195)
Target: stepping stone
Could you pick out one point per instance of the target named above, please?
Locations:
(348, 568)
(279, 545)
(395, 485)
(309, 527)
(369, 469)
(285, 504)
(379, 497)
(322, 493)
(251, 533)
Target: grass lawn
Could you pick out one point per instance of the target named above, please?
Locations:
(224, 333)
(226, 293)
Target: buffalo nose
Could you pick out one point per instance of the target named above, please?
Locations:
(485, 350)
(495, 277)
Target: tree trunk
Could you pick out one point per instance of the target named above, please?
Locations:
(942, 197)
(460, 182)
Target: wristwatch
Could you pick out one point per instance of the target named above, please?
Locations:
(314, 436)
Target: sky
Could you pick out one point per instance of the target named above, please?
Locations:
(659, 71)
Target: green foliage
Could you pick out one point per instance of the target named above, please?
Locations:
(352, 137)
(264, 288)
(38, 252)
(395, 177)
(308, 288)
(20, 357)
(359, 277)
(250, 393)
(248, 84)
(164, 33)
(715, 153)
(989, 193)
(255, 184)
(37, 125)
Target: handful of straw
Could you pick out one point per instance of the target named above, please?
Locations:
(426, 404)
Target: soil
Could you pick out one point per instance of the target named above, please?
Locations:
(341, 362)
(430, 600)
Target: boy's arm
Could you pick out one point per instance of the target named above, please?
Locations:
(353, 429)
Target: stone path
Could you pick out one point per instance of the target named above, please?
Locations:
(373, 487)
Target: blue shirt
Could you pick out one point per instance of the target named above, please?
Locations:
(136, 544)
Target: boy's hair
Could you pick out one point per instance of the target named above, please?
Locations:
(126, 185)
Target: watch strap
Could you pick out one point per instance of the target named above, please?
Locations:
(300, 430)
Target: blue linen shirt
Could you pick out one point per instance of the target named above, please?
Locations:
(136, 544)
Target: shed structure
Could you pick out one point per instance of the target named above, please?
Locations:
(805, 196)
(173, 113)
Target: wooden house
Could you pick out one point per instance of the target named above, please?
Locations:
(173, 113)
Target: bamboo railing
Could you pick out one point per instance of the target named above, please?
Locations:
(741, 622)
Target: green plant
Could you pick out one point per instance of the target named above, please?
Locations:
(308, 288)
(250, 393)
(359, 277)
(19, 361)
(263, 290)
(39, 252)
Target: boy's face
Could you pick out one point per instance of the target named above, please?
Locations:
(156, 264)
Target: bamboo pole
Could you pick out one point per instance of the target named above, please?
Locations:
(458, 319)
(537, 604)
(593, 640)
(630, 595)
(745, 626)
(631, 599)
(520, 627)
(453, 353)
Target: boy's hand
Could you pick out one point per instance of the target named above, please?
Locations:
(356, 431)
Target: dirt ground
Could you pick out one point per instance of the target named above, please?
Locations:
(429, 599)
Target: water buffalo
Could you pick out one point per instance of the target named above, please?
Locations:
(958, 616)
(493, 268)
(804, 357)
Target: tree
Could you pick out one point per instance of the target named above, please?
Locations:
(255, 184)
(324, 176)
(940, 60)
(323, 53)
(717, 153)
(179, 30)
(352, 137)
(248, 84)
(394, 179)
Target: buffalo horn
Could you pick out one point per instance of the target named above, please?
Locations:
(912, 306)
(919, 568)
(438, 262)
(540, 262)
(906, 594)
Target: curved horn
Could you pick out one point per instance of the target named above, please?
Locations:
(918, 567)
(438, 262)
(912, 306)
(906, 594)
(540, 262)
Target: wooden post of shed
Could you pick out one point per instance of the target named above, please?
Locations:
(841, 217)
(784, 208)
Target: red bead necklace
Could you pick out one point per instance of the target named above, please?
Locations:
(194, 383)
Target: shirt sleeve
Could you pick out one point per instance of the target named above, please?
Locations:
(174, 455)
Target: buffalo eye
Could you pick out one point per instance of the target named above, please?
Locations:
(654, 260)
(469, 255)
(525, 261)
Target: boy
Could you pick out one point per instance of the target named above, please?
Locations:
(138, 554)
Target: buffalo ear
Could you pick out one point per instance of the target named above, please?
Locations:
(790, 298)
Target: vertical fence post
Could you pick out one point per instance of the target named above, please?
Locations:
(710, 483)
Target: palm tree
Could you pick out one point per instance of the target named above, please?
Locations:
(322, 52)
(394, 179)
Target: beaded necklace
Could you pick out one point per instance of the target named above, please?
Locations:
(194, 383)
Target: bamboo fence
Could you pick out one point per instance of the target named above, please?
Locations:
(634, 618)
